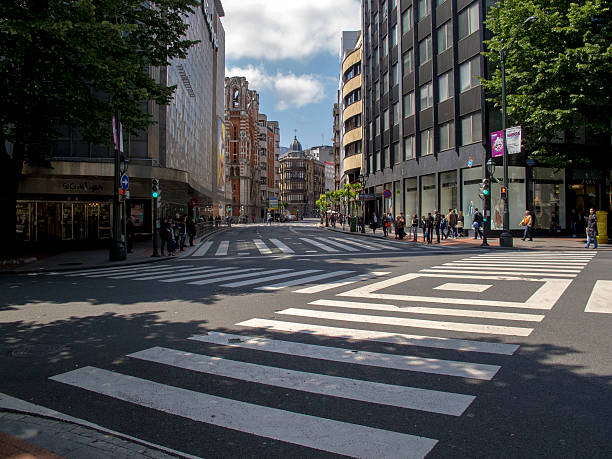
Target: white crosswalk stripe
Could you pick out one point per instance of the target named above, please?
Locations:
(237, 276)
(201, 251)
(304, 280)
(222, 249)
(260, 280)
(282, 246)
(181, 273)
(262, 247)
(370, 245)
(346, 247)
(320, 245)
(340, 282)
(213, 273)
(114, 270)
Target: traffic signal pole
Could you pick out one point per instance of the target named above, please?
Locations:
(117, 250)
(154, 196)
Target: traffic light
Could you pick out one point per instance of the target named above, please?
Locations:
(155, 188)
(122, 194)
(504, 192)
(229, 208)
(485, 187)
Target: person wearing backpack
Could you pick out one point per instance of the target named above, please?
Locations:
(477, 221)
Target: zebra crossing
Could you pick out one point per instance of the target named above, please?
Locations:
(257, 278)
(298, 245)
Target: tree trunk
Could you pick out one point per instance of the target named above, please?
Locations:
(10, 175)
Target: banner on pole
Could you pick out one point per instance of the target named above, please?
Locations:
(513, 139)
(497, 144)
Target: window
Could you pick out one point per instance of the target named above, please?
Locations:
(378, 125)
(408, 104)
(392, 4)
(375, 56)
(383, 9)
(375, 25)
(408, 62)
(445, 36)
(407, 20)
(469, 73)
(395, 112)
(385, 83)
(395, 157)
(377, 91)
(427, 142)
(394, 75)
(408, 147)
(385, 46)
(394, 36)
(387, 158)
(424, 8)
(426, 96)
(370, 130)
(385, 125)
(447, 135)
(445, 86)
(425, 50)
(439, 2)
(377, 161)
(471, 129)
(468, 20)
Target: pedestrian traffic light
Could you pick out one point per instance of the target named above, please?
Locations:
(229, 208)
(485, 187)
(504, 192)
(122, 194)
(155, 188)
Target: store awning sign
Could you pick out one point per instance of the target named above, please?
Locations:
(497, 144)
(513, 140)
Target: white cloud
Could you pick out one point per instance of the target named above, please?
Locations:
(289, 90)
(287, 29)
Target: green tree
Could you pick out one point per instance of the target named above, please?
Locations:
(558, 76)
(77, 63)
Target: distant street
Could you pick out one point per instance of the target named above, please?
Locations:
(290, 340)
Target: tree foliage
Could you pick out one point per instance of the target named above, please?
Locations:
(558, 74)
(78, 62)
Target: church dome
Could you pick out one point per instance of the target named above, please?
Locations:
(295, 145)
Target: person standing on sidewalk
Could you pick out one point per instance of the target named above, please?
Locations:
(374, 224)
(415, 227)
(527, 222)
(429, 223)
(437, 222)
(452, 223)
(592, 231)
(477, 224)
(460, 224)
(191, 230)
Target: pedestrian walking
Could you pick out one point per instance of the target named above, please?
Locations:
(444, 227)
(527, 222)
(460, 223)
(400, 224)
(374, 223)
(477, 221)
(191, 230)
(414, 228)
(591, 230)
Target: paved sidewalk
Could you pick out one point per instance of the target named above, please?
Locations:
(98, 258)
(544, 243)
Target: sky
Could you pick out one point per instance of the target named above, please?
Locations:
(289, 52)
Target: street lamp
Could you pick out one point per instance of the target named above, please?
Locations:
(505, 240)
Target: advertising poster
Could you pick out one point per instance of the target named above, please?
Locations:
(513, 140)
(497, 144)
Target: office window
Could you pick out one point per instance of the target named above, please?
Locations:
(375, 25)
(439, 2)
(408, 104)
(469, 20)
(424, 8)
(408, 62)
(426, 96)
(385, 125)
(425, 51)
(471, 129)
(395, 156)
(387, 157)
(407, 20)
(469, 73)
(385, 46)
(392, 4)
(377, 161)
(385, 83)
(377, 86)
(445, 86)
(447, 135)
(377, 125)
(445, 36)
(409, 147)
(394, 75)
(394, 36)
(370, 129)
(395, 112)
(427, 142)
(383, 9)
(375, 58)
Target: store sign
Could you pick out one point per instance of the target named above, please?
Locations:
(82, 187)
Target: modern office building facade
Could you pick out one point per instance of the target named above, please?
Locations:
(71, 201)
(427, 123)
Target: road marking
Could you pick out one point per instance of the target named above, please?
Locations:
(600, 300)
(212, 273)
(479, 288)
(260, 280)
(161, 272)
(123, 275)
(341, 282)
(281, 245)
(222, 249)
(338, 244)
(262, 247)
(383, 337)
(193, 273)
(476, 271)
(300, 429)
(178, 271)
(116, 270)
(304, 280)
(353, 389)
(85, 272)
(352, 356)
(432, 311)
(369, 245)
(499, 268)
(201, 251)
(319, 245)
(579, 264)
(224, 278)
(413, 323)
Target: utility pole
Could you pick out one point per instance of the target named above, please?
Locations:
(117, 251)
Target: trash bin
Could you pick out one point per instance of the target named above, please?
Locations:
(353, 224)
(602, 226)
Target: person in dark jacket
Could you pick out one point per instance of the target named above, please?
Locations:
(592, 229)
(191, 230)
(429, 224)
(477, 220)
(437, 222)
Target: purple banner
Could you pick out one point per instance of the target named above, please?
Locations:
(497, 144)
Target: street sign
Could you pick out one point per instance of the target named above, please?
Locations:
(387, 193)
(470, 162)
(367, 197)
(125, 182)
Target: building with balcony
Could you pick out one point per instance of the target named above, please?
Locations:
(71, 201)
(302, 180)
(350, 108)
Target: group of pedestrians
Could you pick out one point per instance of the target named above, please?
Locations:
(174, 233)
(444, 226)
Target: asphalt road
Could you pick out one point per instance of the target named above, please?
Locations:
(292, 341)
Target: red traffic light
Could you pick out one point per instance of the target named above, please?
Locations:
(504, 192)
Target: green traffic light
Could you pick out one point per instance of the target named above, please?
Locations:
(155, 194)
(485, 192)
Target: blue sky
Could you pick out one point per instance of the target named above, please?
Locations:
(288, 50)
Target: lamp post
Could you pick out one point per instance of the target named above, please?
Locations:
(505, 239)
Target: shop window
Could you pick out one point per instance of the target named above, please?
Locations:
(410, 198)
(428, 193)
